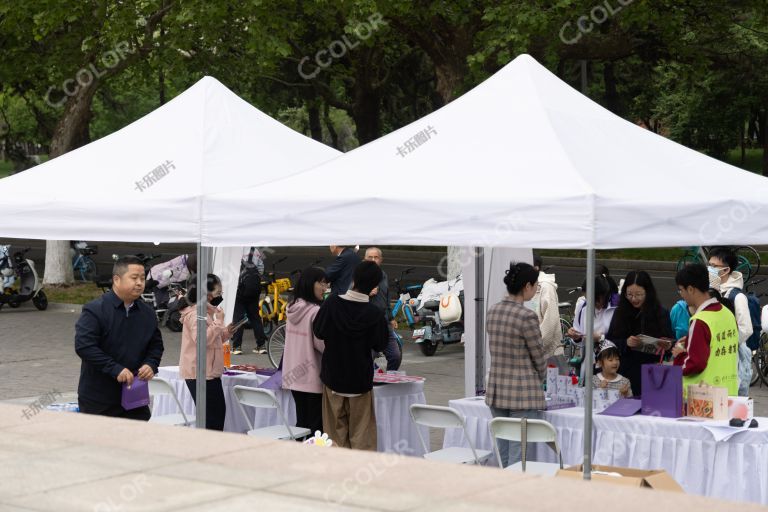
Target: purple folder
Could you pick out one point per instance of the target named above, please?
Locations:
(135, 396)
(275, 382)
(662, 390)
(624, 407)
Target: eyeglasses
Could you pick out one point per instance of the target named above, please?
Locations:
(680, 291)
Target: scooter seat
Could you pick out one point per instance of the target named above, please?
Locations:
(432, 305)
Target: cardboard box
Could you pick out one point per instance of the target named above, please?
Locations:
(652, 479)
(708, 402)
(562, 384)
(613, 395)
(741, 407)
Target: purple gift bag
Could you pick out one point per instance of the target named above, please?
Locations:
(662, 390)
(135, 396)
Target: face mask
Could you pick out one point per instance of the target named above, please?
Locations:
(714, 278)
(216, 301)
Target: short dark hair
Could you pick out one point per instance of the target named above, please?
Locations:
(608, 353)
(537, 261)
(366, 277)
(726, 255)
(121, 265)
(305, 288)
(693, 274)
(518, 275)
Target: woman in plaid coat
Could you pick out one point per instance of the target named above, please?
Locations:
(518, 365)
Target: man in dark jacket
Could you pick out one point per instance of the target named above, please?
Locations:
(352, 328)
(118, 340)
(340, 271)
(380, 299)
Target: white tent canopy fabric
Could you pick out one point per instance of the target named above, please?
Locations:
(522, 160)
(146, 182)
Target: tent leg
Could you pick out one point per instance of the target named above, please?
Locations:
(589, 352)
(480, 363)
(203, 264)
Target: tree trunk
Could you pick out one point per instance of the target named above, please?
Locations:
(612, 98)
(764, 140)
(454, 262)
(70, 133)
(365, 113)
(329, 126)
(315, 128)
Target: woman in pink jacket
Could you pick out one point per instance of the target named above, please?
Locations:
(217, 335)
(303, 351)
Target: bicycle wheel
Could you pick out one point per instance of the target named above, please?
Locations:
(266, 318)
(762, 359)
(687, 258)
(88, 270)
(276, 345)
(749, 261)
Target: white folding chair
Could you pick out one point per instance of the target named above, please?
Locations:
(264, 398)
(524, 430)
(446, 417)
(158, 387)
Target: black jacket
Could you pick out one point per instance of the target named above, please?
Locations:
(628, 321)
(340, 272)
(351, 330)
(381, 299)
(107, 341)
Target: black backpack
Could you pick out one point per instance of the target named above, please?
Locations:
(249, 283)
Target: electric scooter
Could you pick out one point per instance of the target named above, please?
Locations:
(20, 280)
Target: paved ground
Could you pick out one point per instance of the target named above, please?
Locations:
(37, 356)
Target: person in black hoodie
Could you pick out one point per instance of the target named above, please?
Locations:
(352, 328)
(639, 312)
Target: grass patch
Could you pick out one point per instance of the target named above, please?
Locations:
(78, 293)
(753, 159)
(651, 254)
(5, 168)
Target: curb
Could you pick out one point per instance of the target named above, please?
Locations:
(61, 306)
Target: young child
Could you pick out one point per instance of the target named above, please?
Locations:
(608, 362)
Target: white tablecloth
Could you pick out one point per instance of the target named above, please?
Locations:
(736, 469)
(395, 430)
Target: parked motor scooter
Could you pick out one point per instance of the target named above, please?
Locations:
(441, 306)
(20, 280)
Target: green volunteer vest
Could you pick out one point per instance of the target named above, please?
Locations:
(722, 366)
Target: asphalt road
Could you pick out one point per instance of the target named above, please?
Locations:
(425, 264)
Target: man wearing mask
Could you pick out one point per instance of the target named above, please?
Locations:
(118, 340)
(722, 263)
(339, 273)
(380, 299)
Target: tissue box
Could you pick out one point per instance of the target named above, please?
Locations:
(601, 393)
(571, 389)
(741, 407)
(579, 396)
(552, 375)
(613, 395)
(562, 384)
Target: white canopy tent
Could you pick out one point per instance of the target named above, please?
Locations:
(522, 160)
(147, 181)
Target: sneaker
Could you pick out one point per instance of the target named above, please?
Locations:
(260, 350)
(237, 352)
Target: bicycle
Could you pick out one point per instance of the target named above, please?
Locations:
(748, 259)
(272, 308)
(82, 264)
(760, 362)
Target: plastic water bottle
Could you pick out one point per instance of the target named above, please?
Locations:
(227, 355)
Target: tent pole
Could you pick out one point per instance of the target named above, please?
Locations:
(480, 363)
(202, 329)
(589, 353)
